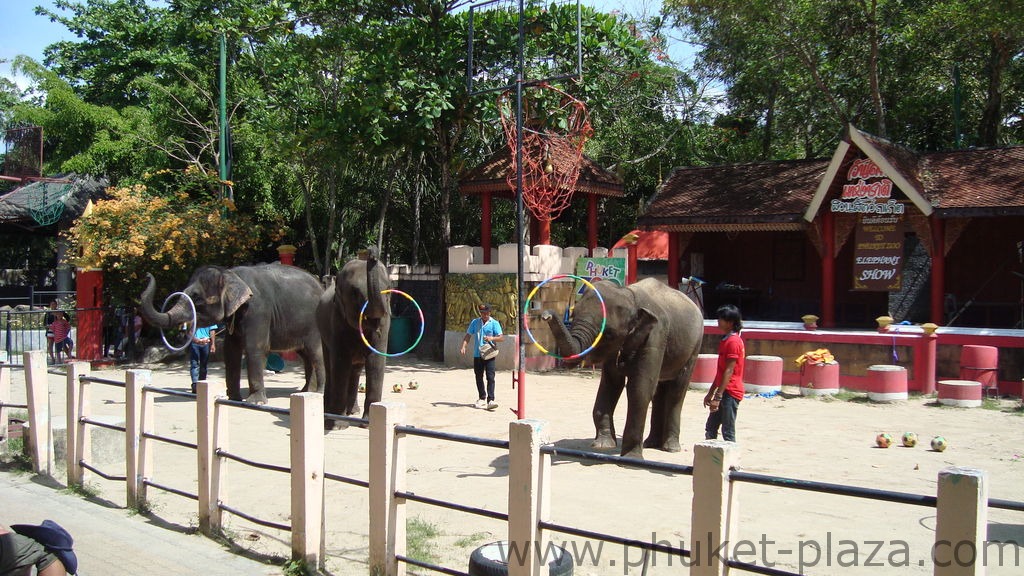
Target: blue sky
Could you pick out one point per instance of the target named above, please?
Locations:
(28, 34)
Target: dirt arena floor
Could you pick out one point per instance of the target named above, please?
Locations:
(828, 440)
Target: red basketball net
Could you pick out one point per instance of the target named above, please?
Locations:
(555, 129)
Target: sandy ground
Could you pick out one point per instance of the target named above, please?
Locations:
(787, 435)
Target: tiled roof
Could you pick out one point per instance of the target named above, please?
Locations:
(960, 183)
(759, 192)
(490, 176)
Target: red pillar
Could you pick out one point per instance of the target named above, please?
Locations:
(938, 269)
(286, 254)
(631, 263)
(925, 359)
(592, 223)
(828, 270)
(673, 260)
(89, 297)
(543, 232)
(485, 226)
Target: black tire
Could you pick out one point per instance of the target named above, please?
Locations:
(492, 560)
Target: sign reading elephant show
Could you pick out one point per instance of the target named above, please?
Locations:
(878, 241)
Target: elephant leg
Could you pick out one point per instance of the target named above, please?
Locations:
(638, 401)
(657, 433)
(608, 393)
(256, 364)
(233, 370)
(671, 406)
(375, 364)
(352, 390)
(316, 370)
(306, 368)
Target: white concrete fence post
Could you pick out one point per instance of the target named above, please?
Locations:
(5, 399)
(78, 444)
(529, 487)
(134, 454)
(211, 433)
(714, 524)
(387, 475)
(40, 427)
(961, 522)
(307, 476)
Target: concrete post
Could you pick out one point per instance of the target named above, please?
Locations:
(5, 399)
(387, 475)
(961, 522)
(529, 486)
(211, 433)
(714, 522)
(40, 427)
(134, 381)
(77, 397)
(307, 475)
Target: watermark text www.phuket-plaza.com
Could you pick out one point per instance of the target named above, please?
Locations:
(832, 552)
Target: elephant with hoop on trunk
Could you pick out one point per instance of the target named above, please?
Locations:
(260, 308)
(355, 307)
(649, 348)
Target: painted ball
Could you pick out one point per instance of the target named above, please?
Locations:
(909, 439)
(883, 440)
(413, 384)
(362, 387)
(939, 444)
(396, 388)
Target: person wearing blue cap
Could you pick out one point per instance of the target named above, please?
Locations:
(486, 333)
(47, 547)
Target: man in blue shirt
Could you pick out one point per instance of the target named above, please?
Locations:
(203, 343)
(483, 329)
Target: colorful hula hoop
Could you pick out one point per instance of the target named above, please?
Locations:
(526, 316)
(418, 338)
(192, 332)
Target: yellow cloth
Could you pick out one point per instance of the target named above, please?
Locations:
(819, 356)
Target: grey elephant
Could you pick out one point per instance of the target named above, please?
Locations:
(360, 282)
(650, 346)
(260, 308)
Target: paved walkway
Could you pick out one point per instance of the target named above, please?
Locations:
(112, 542)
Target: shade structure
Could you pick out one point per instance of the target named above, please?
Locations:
(650, 244)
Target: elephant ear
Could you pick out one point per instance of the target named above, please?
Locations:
(236, 293)
(638, 335)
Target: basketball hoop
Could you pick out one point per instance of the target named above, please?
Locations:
(555, 127)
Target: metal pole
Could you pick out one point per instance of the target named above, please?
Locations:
(521, 374)
(223, 149)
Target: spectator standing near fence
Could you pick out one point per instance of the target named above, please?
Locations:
(204, 341)
(61, 329)
(48, 319)
(726, 392)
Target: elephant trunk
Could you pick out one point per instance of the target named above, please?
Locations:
(375, 283)
(178, 314)
(569, 343)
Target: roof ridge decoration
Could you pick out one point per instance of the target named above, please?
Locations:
(870, 145)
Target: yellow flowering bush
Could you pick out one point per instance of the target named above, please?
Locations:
(136, 231)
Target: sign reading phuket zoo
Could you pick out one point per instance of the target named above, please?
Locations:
(613, 269)
(878, 253)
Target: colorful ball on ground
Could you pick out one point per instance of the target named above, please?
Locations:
(939, 444)
(883, 440)
(909, 439)
(413, 384)
(396, 388)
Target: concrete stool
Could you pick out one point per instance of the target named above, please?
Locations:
(762, 374)
(962, 393)
(887, 383)
(704, 372)
(819, 379)
(981, 364)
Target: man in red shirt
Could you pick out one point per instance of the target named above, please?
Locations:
(728, 379)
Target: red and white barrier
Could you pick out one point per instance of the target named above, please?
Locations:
(962, 393)
(704, 372)
(762, 374)
(887, 383)
(819, 379)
